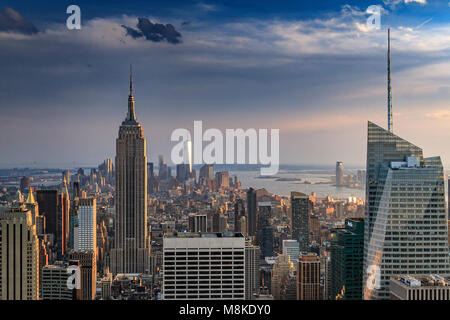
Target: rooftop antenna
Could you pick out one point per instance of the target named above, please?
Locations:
(389, 97)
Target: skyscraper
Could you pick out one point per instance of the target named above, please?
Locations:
(88, 272)
(239, 211)
(131, 244)
(252, 212)
(347, 252)
(252, 258)
(48, 207)
(265, 234)
(87, 225)
(63, 219)
(308, 277)
(19, 256)
(406, 221)
(339, 173)
(301, 207)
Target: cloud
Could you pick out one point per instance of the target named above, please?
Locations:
(440, 114)
(12, 21)
(394, 3)
(155, 32)
(308, 77)
(418, 1)
(207, 7)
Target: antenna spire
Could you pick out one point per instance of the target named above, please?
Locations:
(131, 114)
(389, 97)
(131, 80)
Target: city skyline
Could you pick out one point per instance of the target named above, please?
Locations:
(283, 64)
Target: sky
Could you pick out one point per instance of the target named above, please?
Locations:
(311, 69)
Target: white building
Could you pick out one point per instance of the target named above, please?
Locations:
(204, 266)
(87, 225)
(431, 287)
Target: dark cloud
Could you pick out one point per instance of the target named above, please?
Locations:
(155, 32)
(132, 33)
(11, 20)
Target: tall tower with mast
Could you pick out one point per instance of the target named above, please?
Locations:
(389, 97)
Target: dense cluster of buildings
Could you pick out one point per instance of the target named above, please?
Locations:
(123, 232)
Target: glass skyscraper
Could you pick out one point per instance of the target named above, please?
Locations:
(406, 221)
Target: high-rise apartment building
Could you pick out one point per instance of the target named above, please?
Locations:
(406, 220)
(205, 266)
(19, 255)
(301, 208)
(131, 243)
(308, 277)
(87, 225)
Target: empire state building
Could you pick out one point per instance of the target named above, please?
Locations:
(131, 250)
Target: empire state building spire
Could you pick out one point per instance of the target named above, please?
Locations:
(131, 114)
(389, 97)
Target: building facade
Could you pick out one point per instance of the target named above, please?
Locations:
(131, 250)
(19, 256)
(204, 266)
(406, 221)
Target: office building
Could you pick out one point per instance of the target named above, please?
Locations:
(252, 259)
(63, 226)
(291, 248)
(239, 212)
(205, 266)
(265, 236)
(252, 212)
(308, 277)
(19, 255)
(198, 223)
(430, 287)
(339, 173)
(280, 275)
(48, 207)
(88, 269)
(301, 208)
(54, 283)
(207, 172)
(347, 253)
(131, 243)
(406, 221)
(87, 225)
